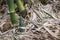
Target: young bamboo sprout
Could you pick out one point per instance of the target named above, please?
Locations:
(21, 8)
(21, 24)
(12, 11)
(23, 13)
(20, 5)
(21, 21)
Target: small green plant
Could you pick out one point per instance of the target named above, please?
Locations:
(22, 10)
(12, 11)
(23, 13)
(20, 5)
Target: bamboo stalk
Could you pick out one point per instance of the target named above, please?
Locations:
(20, 5)
(22, 14)
(12, 11)
(21, 8)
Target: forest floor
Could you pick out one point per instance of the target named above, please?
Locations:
(42, 22)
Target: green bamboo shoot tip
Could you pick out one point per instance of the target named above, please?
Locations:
(20, 5)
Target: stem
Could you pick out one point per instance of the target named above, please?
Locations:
(13, 18)
(21, 8)
(23, 14)
(12, 11)
(21, 23)
(20, 5)
(11, 5)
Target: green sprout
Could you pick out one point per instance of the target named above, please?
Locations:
(21, 8)
(23, 13)
(20, 5)
(12, 11)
